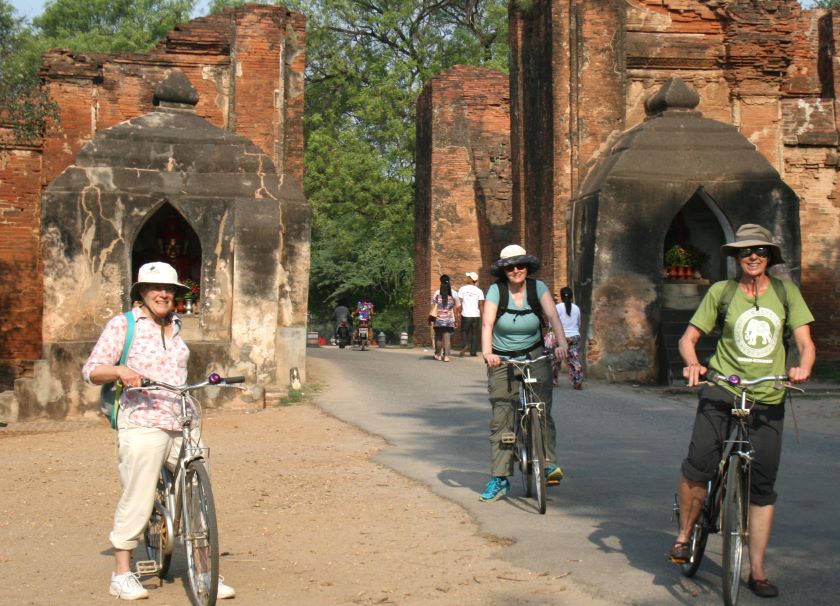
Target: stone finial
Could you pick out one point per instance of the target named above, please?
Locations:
(674, 94)
(176, 91)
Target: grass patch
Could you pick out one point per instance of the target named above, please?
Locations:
(300, 396)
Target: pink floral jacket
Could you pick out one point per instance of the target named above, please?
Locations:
(152, 355)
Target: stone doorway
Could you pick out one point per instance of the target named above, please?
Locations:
(700, 228)
(168, 236)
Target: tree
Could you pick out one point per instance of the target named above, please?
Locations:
(825, 4)
(109, 25)
(80, 25)
(24, 106)
(367, 61)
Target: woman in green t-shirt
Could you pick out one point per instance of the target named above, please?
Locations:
(751, 345)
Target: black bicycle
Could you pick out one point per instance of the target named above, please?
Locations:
(726, 506)
(528, 438)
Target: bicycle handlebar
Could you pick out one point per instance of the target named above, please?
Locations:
(736, 381)
(213, 379)
(509, 360)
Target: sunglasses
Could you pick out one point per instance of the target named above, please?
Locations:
(519, 266)
(761, 251)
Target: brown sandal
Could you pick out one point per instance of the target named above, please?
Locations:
(680, 553)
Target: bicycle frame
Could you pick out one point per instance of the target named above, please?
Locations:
(736, 458)
(526, 444)
(171, 516)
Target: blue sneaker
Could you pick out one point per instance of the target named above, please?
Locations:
(553, 475)
(497, 487)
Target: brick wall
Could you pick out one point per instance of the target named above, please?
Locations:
(462, 210)
(20, 277)
(581, 70)
(247, 65)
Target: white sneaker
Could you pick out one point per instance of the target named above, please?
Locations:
(224, 591)
(127, 586)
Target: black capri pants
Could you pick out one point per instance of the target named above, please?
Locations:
(711, 429)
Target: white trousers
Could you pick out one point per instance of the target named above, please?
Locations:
(142, 452)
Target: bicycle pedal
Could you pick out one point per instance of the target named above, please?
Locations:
(146, 567)
(508, 438)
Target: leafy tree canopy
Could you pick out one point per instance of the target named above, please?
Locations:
(367, 61)
(80, 25)
(109, 25)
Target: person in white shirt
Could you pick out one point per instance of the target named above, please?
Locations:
(472, 303)
(570, 318)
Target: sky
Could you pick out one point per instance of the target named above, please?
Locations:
(33, 8)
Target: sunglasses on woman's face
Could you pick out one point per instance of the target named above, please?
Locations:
(761, 251)
(519, 266)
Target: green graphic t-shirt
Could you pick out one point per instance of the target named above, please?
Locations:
(752, 342)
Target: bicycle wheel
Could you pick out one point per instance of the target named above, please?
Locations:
(522, 443)
(537, 457)
(201, 538)
(734, 528)
(523, 447)
(158, 533)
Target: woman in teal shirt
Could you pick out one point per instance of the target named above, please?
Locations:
(517, 333)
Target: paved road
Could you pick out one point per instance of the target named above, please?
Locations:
(608, 524)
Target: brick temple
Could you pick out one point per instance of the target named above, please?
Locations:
(582, 74)
(226, 208)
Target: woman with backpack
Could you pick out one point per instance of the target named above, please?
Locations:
(149, 431)
(516, 308)
(752, 318)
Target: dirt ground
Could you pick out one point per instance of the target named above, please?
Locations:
(305, 517)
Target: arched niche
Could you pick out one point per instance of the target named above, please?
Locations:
(700, 225)
(167, 236)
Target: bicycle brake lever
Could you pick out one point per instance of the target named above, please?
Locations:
(792, 386)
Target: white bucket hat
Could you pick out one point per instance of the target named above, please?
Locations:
(157, 272)
(513, 254)
(472, 276)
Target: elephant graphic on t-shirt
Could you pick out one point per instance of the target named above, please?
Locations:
(758, 329)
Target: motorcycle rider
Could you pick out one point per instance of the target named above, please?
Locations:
(364, 314)
(342, 314)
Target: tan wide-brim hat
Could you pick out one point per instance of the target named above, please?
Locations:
(513, 254)
(749, 235)
(157, 272)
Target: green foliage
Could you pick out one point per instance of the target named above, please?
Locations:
(109, 25)
(24, 106)
(824, 4)
(217, 6)
(80, 25)
(367, 62)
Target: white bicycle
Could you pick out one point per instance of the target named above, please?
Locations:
(184, 503)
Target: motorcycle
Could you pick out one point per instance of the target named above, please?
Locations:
(362, 335)
(342, 334)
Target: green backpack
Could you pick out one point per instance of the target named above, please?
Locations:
(111, 392)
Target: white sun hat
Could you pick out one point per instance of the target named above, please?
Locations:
(157, 272)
